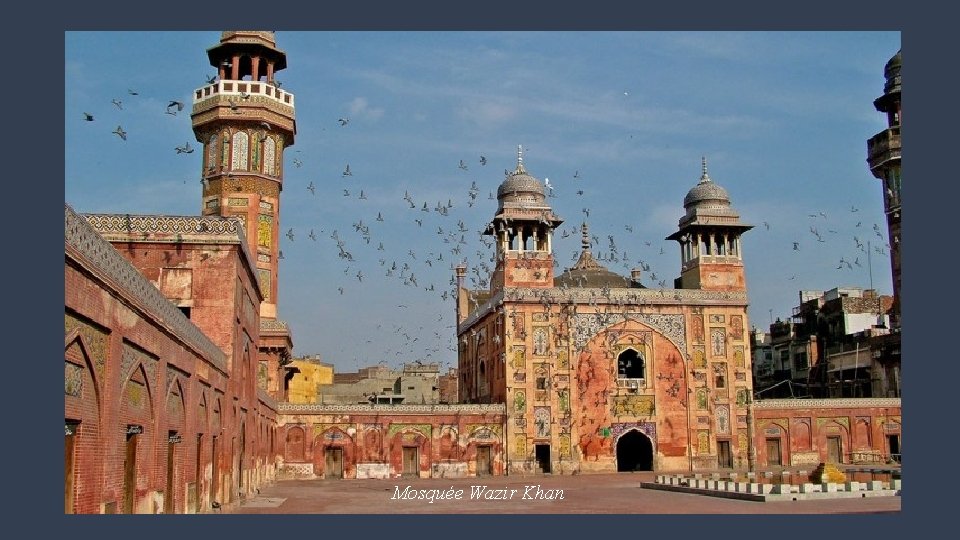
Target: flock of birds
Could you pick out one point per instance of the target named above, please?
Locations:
(441, 234)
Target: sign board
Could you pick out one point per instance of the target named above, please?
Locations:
(174, 438)
(134, 429)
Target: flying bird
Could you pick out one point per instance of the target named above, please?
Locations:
(174, 106)
(343, 121)
(290, 234)
(119, 131)
(462, 165)
(88, 117)
(297, 162)
(796, 246)
(118, 103)
(132, 92)
(312, 188)
(211, 79)
(312, 236)
(346, 172)
(185, 149)
(483, 160)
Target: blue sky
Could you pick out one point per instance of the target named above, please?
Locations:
(781, 117)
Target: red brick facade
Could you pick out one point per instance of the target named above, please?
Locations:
(370, 441)
(162, 411)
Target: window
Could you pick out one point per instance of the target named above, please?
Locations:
(800, 361)
(541, 383)
(630, 365)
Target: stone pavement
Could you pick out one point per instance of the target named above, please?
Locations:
(613, 493)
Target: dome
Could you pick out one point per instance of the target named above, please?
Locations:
(519, 182)
(891, 72)
(520, 187)
(706, 192)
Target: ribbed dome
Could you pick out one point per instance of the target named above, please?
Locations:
(706, 192)
(521, 183)
(520, 187)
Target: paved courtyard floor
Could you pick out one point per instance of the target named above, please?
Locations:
(614, 493)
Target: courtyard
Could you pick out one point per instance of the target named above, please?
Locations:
(614, 493)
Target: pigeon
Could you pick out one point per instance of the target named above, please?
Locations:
(118, 103)
(346, 172)
(174, 106)
(88, 117)
(185, 149)
(343, 121)
(483, 160)
(119, 131)
(312, 188)
(290, 234)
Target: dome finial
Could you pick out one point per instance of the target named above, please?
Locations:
(585, 236)
(520, 169)
(704, 177)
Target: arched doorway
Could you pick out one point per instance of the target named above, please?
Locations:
(634, 452)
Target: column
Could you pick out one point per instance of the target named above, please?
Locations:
(549, 242)
(270, 70)
(255, 68)
(235, 68)
(536, 239)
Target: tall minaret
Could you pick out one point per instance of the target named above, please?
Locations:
(244, 121)
(709, 236)
(883, 156)
(522, 229)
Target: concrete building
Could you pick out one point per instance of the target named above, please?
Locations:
(415, 383)
(305, 376)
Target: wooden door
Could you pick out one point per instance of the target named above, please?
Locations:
(483, 460)
(68, 469)
(410, 465)
(773, 452)
(724, 457)
(333, 467)
(130, 474)
(834, 450)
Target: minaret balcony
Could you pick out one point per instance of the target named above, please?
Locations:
(241, 90)
(883, 147)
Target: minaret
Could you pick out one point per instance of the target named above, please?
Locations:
(245, 120)
(522, 229)
(711, 257)
(883, 156)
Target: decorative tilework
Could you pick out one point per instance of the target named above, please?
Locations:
(263, 278)
(519, 360)
(633, 406)
(540, 340)
(842, 420)
(269, 157)
(738, 356)
(742, 441)
(670, 325)
(263, 257)
(264, 230)
(266, 205)
(563, 398)
(240, 151)
(540, 317)
(722, 413)
(484, 431)
(541, 421)
(520, 446)
(647, 428)
(740, 376)
(93, 338)
(703, 420)
(565, 445)
(703, 442)
(319, 429)
(563, 359)
(736, 327)
(72, 380)
(700, 376)
(702, 399)
(696, 325)
(742, 394)
(519, 401)
(238, 201)
(714, 319)
(699, 357)
(242, 184)
(718, 342)
(424, 429)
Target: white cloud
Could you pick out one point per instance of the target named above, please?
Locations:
(360, 107)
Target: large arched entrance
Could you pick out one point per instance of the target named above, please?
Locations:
(634, 452)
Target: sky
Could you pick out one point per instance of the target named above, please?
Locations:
(617, 121)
